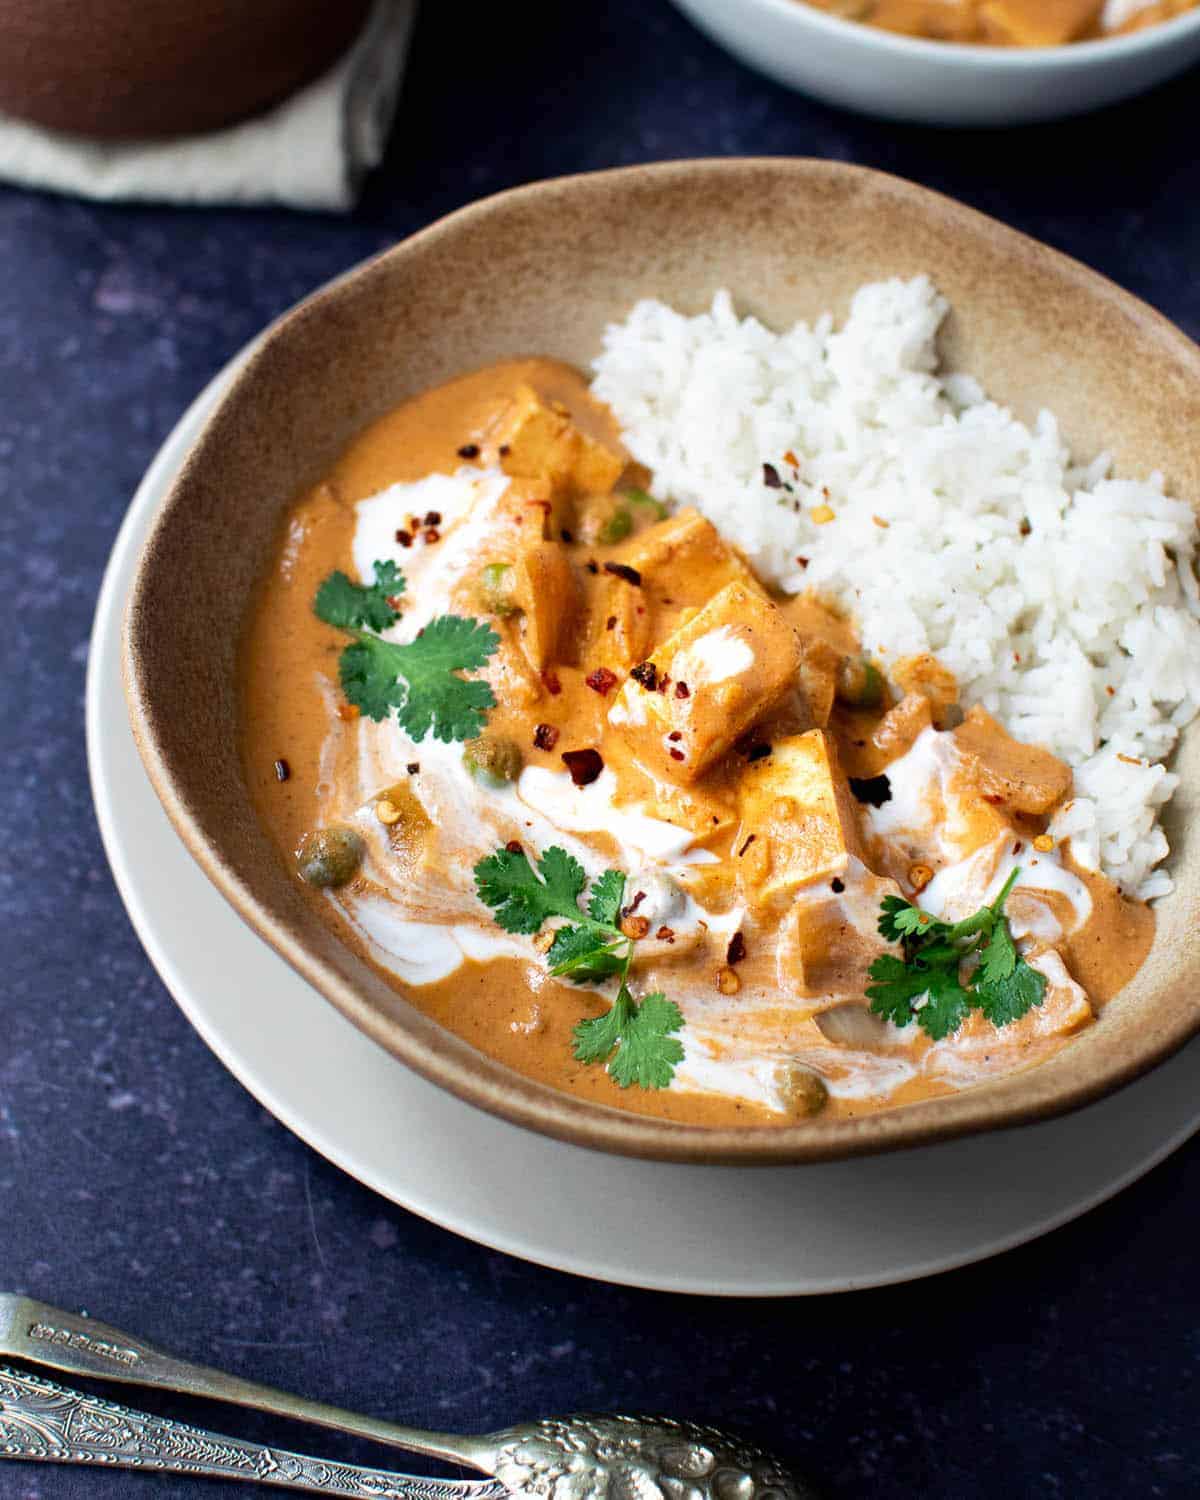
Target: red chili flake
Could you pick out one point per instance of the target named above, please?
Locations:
(432, 534)
(550, 681)
(790, 457)
(628, 911)
(601, 680)
(664, 682)
(433, 518)
(413, 767)
(750, 839)
(623, 570)
(682, 690)
(545, 736)
(771, 477)
(514, 846)
(676, 754)
(395, 602)
(736, 950)
(584, 765)
(646, 673)
(675, 735)
(992, 797)
(504, 450)
(414, 524)
(803, 561)
(665, 934)
(1018, 846)
(1025, 527)
(592, 565)
(404, 538)
(611, 623)
(1111, 691)
(837, 886)
(282, 770)
(469, 450)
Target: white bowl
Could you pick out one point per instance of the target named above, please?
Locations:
(941, 83)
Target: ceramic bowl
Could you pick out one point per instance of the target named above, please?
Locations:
(542, 270)
(118, 69)
(941, 83)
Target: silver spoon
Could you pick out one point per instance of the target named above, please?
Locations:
(580, 1457)
(42, 1422)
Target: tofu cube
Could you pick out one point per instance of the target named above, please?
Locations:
(707, 684)
(547, 592)
(537, 439)
(1022, 778)
(799, 820)
(686, 558)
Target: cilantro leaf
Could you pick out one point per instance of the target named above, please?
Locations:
(354, 606)
(897, 985)
(418, 680)
(636, 1040)
(564, 877)
(899, 919)
(1003, 987)
(604, 904)
(596, 1037)
(368, 677)
(437, 697)
(946, 1006)
(518, 894)
(506, 882)
(646, 1049)
(1006, 1000)
(999, 958)
(576, 954)
(648, 1052)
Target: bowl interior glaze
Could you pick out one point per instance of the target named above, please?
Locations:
(541, 270)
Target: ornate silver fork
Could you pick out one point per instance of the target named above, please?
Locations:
(579, 1457)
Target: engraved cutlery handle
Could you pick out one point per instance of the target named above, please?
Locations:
(75, 1345)
(48, 1423)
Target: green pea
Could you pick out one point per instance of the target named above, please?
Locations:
(803, 1091)
(640, 497)
(495, 589)
(493, 759)
(615, 528)
(329, 856)
(859, 683)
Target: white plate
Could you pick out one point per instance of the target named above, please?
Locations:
(719, 1230)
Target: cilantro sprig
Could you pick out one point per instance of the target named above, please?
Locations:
(927, 983)
(634, 1038)
(418, 679)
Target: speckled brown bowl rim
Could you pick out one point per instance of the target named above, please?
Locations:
(1165, 1011)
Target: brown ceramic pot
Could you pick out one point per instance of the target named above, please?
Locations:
(137, 68)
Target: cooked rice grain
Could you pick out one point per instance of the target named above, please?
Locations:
(1063, 599)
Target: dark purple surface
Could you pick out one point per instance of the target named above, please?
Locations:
(139, 1180)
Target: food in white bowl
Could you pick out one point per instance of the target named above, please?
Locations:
(1008, 23)
(774, 727)
(958, 62)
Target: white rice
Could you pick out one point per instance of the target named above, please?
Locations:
(1065, 601)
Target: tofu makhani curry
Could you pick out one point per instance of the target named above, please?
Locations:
(599, 800)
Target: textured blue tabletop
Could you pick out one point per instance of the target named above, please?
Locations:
(139, 1180)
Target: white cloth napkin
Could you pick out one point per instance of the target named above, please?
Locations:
(311, 151)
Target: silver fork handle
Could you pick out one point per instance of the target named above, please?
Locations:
(48, 1423)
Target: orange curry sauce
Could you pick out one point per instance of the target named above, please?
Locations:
(762, 785)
